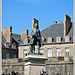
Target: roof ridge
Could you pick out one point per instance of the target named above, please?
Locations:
(16, 34)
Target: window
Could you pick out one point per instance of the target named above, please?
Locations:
(7, 56)
(18, 39)
(66, 52)
(51, 32)
(26, 41)
(14, 56)
(67, 38)
(14, 45)
(25, 53)
(7, 45)
(58, 52)
(49, 52)
(50, 40)
(42, 51)
(58, 39)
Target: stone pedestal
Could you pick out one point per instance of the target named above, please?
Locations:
(34, 64)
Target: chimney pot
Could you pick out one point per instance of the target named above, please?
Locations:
(54, 22)
(60, 21)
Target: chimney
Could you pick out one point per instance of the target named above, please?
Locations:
(54, 22)
(7, 35)
(60, 21)
(24, 35)
(34, 21)
(67, 24)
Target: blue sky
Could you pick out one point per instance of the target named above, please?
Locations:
(19, 13)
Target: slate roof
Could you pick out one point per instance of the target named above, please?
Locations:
(16, 38)
(56, 30)
(71, 31)
(53, 30)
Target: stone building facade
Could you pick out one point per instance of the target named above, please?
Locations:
(58, 40)
(53, 47)
(10, 42)
(16, 65)
(58, 47)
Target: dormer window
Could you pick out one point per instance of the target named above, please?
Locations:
(7, 45)
(26, 41)
(7, 56)
(18, 39)
(14, 46)
(58, 39)
(42, 51)
(14, 56)
(67, 39)
(25, 53)
(50, 40)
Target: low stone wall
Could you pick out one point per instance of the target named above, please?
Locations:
(16, 64)
(55, 67)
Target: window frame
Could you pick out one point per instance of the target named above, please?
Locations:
(57, 52)
(14, 45)
(50, 52)
(26, 53)
(49, 40)
(42, 50)
(67, 39)
(25, 41)
(67, 53)
(7, 45)
(7, 56)
(58, 39)
(14, 56)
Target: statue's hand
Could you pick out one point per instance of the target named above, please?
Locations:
(39, 38)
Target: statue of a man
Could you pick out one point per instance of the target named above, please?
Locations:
(35, 39)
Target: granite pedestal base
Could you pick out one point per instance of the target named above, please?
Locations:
(34, 64)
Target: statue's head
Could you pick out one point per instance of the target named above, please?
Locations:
(36, 25)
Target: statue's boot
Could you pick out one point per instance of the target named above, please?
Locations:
(38, 50)
(30, 50)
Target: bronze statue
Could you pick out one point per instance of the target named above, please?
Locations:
(35, 39)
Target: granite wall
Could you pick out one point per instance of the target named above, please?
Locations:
(55, 67)
(17, 65)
